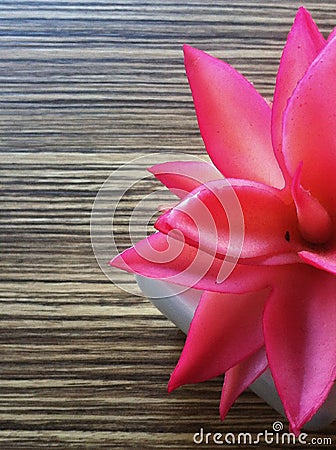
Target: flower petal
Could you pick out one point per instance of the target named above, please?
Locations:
(210, 217)
(309, 128)
(239, 378)
(303, 44)
(161, 257)
(332, 34)
(182, 177)
(225, 330)
(315, 224)
(234, 119)
(300, 338)
(323, 260)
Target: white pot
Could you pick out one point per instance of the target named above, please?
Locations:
(179, 307)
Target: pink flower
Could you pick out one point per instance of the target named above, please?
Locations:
(277, 308)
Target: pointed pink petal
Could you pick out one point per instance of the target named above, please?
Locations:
(332, 34)
(300, 338)
(239, 378)
(309, 128)
(315, 224)
(158, 257)
(234, 119)
(323, 260)
(210, 215)
(273, 260)
(225, 330)
(183, 176)
(304, 43)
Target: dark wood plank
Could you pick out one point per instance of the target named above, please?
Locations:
(86, 86)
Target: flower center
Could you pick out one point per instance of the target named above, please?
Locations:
(315, 224)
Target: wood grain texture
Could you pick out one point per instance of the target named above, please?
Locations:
(84, 87)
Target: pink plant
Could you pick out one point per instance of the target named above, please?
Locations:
(277, 308)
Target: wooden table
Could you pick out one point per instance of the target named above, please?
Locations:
(86, 86)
